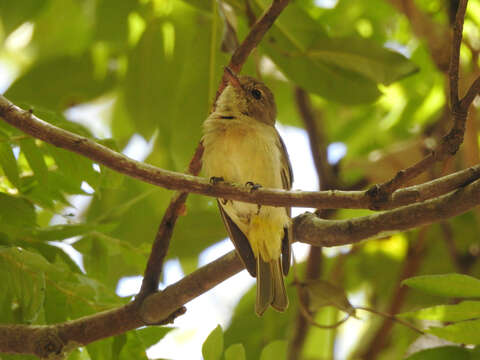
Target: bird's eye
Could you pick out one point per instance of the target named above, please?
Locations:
(256, 94)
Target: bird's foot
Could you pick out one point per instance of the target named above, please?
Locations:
(252, 186)
(216, 179)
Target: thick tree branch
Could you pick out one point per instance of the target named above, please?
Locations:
(42, 340)
(312, 230)
(39, 129)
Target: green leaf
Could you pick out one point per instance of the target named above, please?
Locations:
(276, 350)
(24, 274)
(116, 28)
(444, 353)
(212, 348)
(465, 332)
(364, 57)
(322, 293)
(17, 215)
(465, 310)
(65, 231)
(288, 44)
(69, 34)
(9, 163)
(450, 285)
(152, 334)
(35, 159)
(235, 352)
(60, 83)
(14, 13)
(168, 56)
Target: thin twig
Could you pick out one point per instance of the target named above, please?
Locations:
(391, 317)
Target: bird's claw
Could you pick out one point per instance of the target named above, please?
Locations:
(252, 186)
(216, 179)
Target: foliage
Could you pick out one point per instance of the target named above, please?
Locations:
(152, 67)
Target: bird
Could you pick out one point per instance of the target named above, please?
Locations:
(242, 146)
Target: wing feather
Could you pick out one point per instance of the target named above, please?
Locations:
(244, 250)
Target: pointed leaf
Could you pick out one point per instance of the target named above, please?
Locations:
(322, 293)
(276, 350)
(9, 163)
(235, 352)
(443, 353)
(35, 159)
(465, 332)
(212, 348)
(451, 285)
(465, 310)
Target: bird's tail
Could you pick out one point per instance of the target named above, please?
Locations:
(270, 286)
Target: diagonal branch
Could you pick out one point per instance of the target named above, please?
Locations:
(164, 234)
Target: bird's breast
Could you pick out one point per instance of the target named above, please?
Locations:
(241, 150)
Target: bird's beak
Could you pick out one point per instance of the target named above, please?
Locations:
(232, 78)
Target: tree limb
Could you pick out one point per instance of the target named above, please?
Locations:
(42, 340)
(30, 124)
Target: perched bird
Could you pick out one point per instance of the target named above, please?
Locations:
(241, 145)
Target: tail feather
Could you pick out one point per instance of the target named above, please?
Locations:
(270, 286)
(264, 286)
(280, 299)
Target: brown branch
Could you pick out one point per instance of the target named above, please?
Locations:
(39, 129)
(453, 68)
(451, 141)
(164, 234)
(311, 229)
(472, 92)
(158, 307)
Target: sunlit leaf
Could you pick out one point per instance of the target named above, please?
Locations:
(212, 348)
(444, 353)
(276, 350)
(235, 352)
(9, 163)
(465, 310)
(452, 285)
(465, 332)
(17, 215)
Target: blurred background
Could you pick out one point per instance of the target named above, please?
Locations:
(361, 93)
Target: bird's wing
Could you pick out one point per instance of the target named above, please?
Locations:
(287, 180)
(244, 250)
